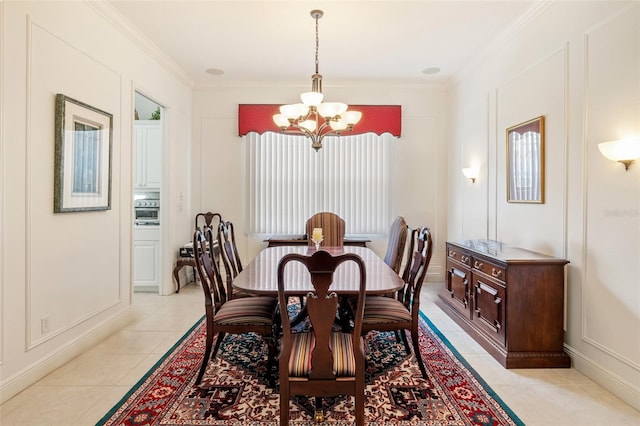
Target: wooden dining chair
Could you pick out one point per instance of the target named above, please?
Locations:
(401, 313)
(319, 361)
(257, 314)
(396, 244)
(229, 252)
(332, 229)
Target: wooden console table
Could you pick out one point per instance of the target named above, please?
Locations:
(510, 300)
(301, 240)
(185, 258)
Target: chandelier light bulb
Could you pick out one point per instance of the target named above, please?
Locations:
(338, 125)
(281, 121)
(351, 117)
(311, 98)
(331, 109)
(310, 125)
(294, 111)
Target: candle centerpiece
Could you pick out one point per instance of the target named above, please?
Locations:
(317, 237)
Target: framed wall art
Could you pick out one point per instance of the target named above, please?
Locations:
(83, 139)
(525, 162)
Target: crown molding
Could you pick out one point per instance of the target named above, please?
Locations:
(131, 32)
(512, 30)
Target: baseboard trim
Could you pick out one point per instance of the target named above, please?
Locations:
(614, 384)
(32, 374)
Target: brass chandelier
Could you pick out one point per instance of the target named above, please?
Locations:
(313, 118)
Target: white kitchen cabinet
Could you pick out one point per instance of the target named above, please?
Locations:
(146, 260)
(148, 143)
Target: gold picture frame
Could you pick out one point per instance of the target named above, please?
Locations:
(525, 162)
(83, 139)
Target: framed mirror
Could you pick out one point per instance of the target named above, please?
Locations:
(525, 162)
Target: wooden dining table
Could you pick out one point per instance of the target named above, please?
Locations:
(260, 277)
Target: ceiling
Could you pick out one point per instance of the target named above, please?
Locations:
(274, 41)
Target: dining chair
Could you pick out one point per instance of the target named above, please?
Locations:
(321, 361)
(401, 313)
(332, 228)
(229, 252)
(224, 315)
(185, 254)
(396, 244)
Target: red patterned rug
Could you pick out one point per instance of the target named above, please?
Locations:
(235, 390)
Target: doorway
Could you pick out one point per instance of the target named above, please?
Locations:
(147, 190)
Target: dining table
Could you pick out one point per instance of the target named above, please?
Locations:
(260, 276)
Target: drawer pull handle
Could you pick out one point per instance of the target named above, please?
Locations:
(464, 259)
(477, 264)
(452, 253)
(496, 273)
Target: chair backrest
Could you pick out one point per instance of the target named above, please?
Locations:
(206, 220)
(322, 306)
(419, 256)
(396, 244)
(208, 271)
(229, 250)
(332, 228)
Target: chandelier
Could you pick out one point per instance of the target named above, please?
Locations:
(313, 118)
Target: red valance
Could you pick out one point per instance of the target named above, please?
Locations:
(376, 119)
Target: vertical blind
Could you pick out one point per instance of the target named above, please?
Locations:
(289, 182)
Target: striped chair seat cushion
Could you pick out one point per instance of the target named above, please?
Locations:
(344, 361)
(379, 309)
(247, 311)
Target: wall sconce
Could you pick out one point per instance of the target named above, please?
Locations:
(471, 173)
(624, 151)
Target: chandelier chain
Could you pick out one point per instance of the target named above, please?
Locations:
(317, 44)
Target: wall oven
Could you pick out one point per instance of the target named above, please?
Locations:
(146, 205)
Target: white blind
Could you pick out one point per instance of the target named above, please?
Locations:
(289, 182)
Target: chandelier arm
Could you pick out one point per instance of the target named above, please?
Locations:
(295, 129)
(322, 127)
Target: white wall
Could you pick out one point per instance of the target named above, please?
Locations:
(219, 155)
(74, 268)
(578, 64)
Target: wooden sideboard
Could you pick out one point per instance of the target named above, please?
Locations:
(510, 300)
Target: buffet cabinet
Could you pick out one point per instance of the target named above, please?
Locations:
(510, 300)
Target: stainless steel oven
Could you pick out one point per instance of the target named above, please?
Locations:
(146, 205)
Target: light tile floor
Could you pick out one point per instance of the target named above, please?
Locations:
(85, 389)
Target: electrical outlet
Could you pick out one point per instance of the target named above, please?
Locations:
(45, 324)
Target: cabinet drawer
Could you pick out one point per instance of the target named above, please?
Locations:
(494, 271)
(459, 255)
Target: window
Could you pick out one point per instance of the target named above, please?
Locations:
(289, 181)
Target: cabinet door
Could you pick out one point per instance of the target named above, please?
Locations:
(489, 307)
(146, 256)
(458, 286)
(153, 156)
(148, 162)
(140, 157)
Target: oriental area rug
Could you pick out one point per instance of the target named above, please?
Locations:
(235, 391)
